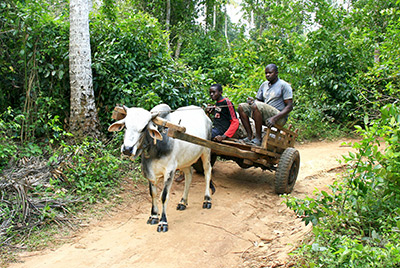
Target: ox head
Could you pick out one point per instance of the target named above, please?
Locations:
(137, 121)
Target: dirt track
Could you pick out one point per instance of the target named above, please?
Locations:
(248, 226)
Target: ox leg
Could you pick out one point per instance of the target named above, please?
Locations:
(205, 157)
(168, 178)
(188, 180)
(153, 219)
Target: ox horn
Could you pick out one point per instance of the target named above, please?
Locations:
(154, 115)
(118, 113)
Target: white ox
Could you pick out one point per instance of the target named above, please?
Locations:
(161, 155)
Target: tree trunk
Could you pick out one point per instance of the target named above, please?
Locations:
(214, 16)
(168, 22)
(83, 115)
(377, 55)
(168, 17)
(226, 28)
(252, 24)
(178, 47)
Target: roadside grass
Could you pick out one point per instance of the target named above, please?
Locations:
(52, 234)
(356, 223)
(45, 200)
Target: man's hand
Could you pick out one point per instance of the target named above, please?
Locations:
(250, 100)
(270, 122)
(220, 138)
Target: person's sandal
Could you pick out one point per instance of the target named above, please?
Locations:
(245, 141)
(256, 142)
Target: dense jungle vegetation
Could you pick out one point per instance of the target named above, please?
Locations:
(342, 60)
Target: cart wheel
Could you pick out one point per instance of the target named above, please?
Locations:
(286, 173)
(198, 166)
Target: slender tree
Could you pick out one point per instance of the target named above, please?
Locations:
(214, 17)
(83, 114)
(168, 17)
(226, 26)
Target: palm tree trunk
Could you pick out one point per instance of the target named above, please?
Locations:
(83, 115)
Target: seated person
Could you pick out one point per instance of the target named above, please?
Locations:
(274, 101)
(225, 121)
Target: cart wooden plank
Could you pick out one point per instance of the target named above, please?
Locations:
(253, 148)
(264, 151)
(162, 122)
(287, 130)
(277, 139)
(216, 147)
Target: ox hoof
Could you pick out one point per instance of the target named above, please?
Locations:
(207, 204)
(181, 207)
(162, 227)
(152, 220)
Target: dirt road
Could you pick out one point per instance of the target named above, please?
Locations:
(248, 226)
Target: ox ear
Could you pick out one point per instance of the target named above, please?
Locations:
(117, 126)
(154, 133)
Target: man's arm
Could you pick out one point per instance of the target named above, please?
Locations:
(230, 132)
(233, 123)
(285, 111)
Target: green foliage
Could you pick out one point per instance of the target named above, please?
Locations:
(132, 66)
(342, 64)
(328, 59)
(91, 169)
(201, 51)
(33, 62)
(8, 132)
(380, 85)
(183, 14)
(357, 224)
(12, 146)
(124, 56)
(60, 182)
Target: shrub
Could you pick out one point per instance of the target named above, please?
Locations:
(357, 224)
(132, 66)
(90, 169)
(8, 133)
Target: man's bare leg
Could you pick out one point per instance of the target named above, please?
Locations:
(246, 122)
(257, 116)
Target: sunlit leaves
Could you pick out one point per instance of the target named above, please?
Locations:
(355, 222)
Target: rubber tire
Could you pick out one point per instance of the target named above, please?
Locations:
(287, 171)
(198, 166)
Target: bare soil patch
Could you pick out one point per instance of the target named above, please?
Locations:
(248, 226)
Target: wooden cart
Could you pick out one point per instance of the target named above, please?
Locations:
(276, 153)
